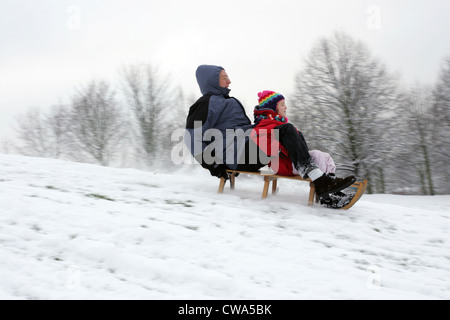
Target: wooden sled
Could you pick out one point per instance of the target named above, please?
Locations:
(268, 178)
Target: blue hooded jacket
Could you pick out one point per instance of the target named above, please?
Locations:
(216, 110)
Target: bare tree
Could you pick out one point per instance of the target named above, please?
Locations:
(343, 101)
(96, 123)
(42, 134)
(176, 120)
(33, 134)
(441, 115)
(58, 123)
(149, 98)
(414, 157)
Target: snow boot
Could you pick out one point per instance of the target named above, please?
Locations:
(336, 200)
(326, 184)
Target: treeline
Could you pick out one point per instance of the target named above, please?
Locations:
(127, 124)
(349, 104)
(345, 102)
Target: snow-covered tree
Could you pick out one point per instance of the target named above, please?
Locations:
(97, 124)
(415, 143)
(34, 136)
(344, 103)
(148, 96)
(441, 115)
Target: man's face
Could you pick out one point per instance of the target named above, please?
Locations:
(224, 81)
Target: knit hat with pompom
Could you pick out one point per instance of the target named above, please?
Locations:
(268, 99)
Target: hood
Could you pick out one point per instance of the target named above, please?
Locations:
(208, 80)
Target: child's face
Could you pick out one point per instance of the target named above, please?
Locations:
(281, 108)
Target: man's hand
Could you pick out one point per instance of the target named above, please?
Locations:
(220, 172)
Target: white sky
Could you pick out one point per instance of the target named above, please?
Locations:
(48, 47)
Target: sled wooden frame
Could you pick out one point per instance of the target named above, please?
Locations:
(268, 178)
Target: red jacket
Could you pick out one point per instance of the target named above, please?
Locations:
(263, 135)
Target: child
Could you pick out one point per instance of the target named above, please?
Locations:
(270, 114)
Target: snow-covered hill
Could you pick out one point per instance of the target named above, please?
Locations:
(79, 231)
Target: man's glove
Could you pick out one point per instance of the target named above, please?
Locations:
(216, 170)
(220, 171)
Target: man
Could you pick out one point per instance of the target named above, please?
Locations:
(217, 110)
(218, 129)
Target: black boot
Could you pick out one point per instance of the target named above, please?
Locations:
(329, 184)
(336, 200)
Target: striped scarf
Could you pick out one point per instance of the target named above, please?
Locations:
(264, 116)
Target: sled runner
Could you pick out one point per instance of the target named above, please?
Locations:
(268, 178)
(360, 188)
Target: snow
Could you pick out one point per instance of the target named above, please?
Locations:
(79, 231)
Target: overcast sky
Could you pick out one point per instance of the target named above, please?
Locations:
(48, 47)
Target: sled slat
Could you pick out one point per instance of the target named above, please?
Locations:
(268, 178)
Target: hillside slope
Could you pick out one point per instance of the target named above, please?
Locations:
(79, 231)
